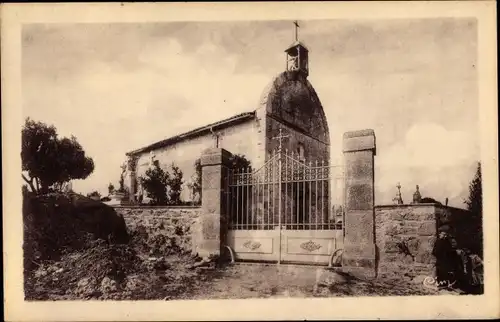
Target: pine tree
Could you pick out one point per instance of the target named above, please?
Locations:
(475, 205)
(155, 182)
(475, 201)
(175, 185)
(195, 184)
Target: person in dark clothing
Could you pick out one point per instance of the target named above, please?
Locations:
(463, 270)
(446, 258)
(476, 273)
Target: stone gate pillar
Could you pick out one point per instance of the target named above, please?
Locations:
(211, 230)
(359, 255)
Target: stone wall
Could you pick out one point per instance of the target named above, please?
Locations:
(175, 222)
(405, 236)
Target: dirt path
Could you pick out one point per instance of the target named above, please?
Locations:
(270, 281)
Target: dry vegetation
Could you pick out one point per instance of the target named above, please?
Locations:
(72, 252)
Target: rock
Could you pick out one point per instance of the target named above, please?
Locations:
(209, 267)
(132, 282)
(204, 262)
(427, 228)
(108, 285)
(85, 287)
(84, 282)
(419, 279)
(40, 273)
(330, 278)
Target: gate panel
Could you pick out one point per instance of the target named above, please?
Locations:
(308, 246)
(284, 211)
(255, 244)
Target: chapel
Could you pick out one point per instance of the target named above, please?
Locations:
(288, 105)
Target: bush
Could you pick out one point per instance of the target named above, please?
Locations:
(175, 186)
(162, 187)
(94, 194)
(57, 223)
(155, 182)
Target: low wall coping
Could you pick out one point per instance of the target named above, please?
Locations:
(157, 207)
(408, 205)
(420, 205)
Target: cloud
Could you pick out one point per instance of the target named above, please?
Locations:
(112, 110)
(440, 161)
(118, 87)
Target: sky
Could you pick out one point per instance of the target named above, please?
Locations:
(120, 86)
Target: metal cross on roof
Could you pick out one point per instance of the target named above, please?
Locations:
(296, 23)
(217, 136)
(280, 138)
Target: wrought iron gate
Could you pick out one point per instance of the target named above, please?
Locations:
(289, 210)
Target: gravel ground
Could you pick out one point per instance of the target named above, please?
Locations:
(176, 279)
(241, 281)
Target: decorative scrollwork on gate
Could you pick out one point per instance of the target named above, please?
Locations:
(310, 246)
(252, 245)
(286, 191)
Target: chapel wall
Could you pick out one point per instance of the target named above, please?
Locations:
(313, 148)
(239, 139)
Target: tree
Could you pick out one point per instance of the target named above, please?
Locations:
(474, 204)
(111, 188)
(163, 187)
(429, 200)
(48, 162)
(121, 182)
(94, 194)
(195, 184)
(238, 162)
(155, 182)
(475, 200)
(242, 194)
(175, 186)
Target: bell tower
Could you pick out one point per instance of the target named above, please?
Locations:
(297, 55)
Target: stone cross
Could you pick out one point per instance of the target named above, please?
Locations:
(280, 138)
(398, 199)
(416, 196)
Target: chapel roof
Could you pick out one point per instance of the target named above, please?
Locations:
(233, 120)
(292, 99)
(295, 44)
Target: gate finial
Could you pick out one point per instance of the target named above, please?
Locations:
(280, 138)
